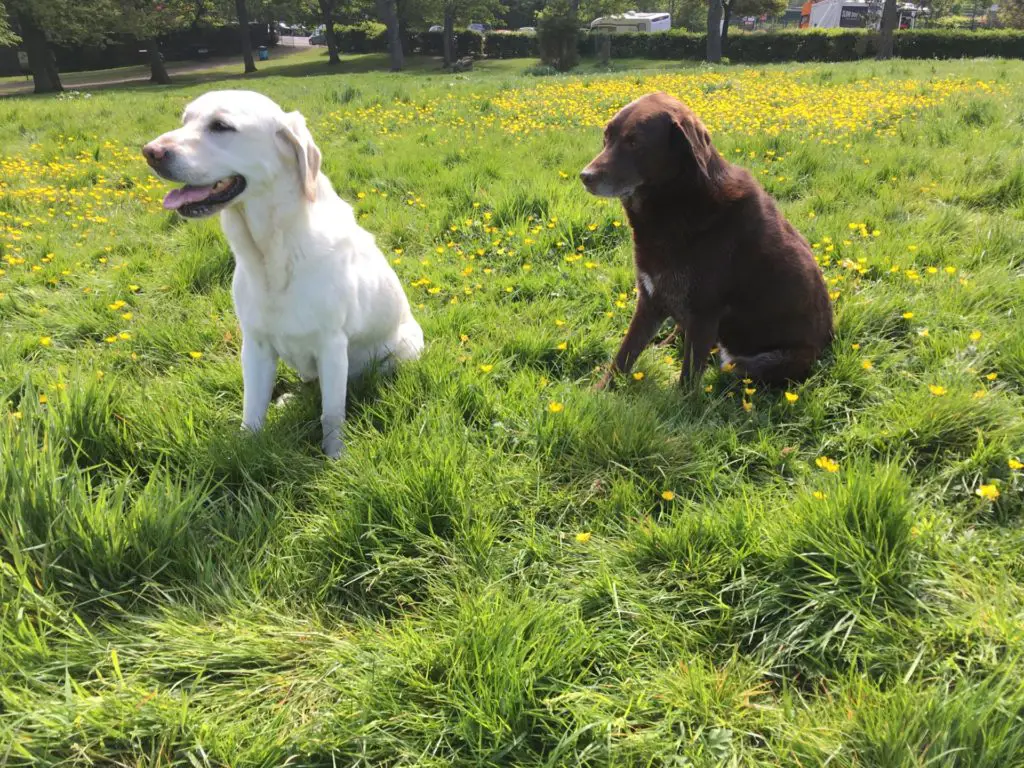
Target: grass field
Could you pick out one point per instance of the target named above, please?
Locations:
(507, 568)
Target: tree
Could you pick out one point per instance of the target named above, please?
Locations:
(388, 12)
(327, 19)
(145, 20)
(714, 45)
(747, 8)
(888, 25)
(7, 36)
(242, 14)
(460, 12)
(43, 22)
(557, 31)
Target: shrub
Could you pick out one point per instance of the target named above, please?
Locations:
(557, 33)
(510, 45)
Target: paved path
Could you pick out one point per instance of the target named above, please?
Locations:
(140, 73)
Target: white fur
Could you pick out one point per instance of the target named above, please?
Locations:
(647, 282)
(311, 286)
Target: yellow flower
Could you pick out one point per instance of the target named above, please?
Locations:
(1014, 464)
(708, 388)
(979, 394)
(43, 399)
(487, 368)
(749, 390)
(726, 367)
(867, 365)
(907, 315)
(824, 462)
(133, 288)
(582, 538)
(747, 406)
(975, 335)
(988, 492)
(124, 335)
(555, 407)
(195, 355)
(937, 390)
(45, 341)
(110, 339)
(855, 347)
(792, 397)
(126, 315)
(563, 346)
(638, 375)
(819, 495)
(992, 376)
(117, 305)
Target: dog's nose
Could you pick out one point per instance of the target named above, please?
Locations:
(154, 153)
(587, 176)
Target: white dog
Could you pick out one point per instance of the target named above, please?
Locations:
(310, 287)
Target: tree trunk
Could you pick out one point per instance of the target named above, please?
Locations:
(449, 36)
(158, 72)
(327, 17)
(40, 58)
(388, 12)
(714, 52)
(604, 49)
(243, 24)
(726, 14)
(885, 37)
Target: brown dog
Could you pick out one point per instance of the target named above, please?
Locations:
(712, 250)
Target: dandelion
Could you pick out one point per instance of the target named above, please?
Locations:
(748, 406)
(562, 346)
(975, 335)
(992, 376)
(708, 388)
(195, 355)
(43, 399)
(1014, 464)
(978, 394)
(555, 407)
(792, 397)
(827, 464)
(937, 390)
(867, 365)
(989, 492)
(855, 347)
(486, 368)
(45, 341)
(819, 495)
(908, 315)
(117, 305)
(582, 538)
(638, 376)
(727, 367)
(668, 495)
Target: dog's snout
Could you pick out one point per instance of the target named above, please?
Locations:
(587, 175)
(155, 154)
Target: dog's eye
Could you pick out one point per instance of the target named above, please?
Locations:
(219, 126)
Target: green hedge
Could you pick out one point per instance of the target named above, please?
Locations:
(741, 47)
(819, 45)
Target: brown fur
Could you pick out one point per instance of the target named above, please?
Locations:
(712, 250)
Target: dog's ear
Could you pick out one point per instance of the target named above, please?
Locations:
(293, 130)
(695, 142)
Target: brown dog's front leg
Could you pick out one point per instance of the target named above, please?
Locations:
(646, 320)
(701, 333)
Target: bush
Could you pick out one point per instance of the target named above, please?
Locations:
(368, 37)
(557, 33)
(814, 45)
(510, 45)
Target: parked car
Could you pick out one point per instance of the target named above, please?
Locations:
(436, 28)
(479, 28)
(318, 39)
(527, 30)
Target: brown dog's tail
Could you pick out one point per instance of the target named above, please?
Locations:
(776, 366)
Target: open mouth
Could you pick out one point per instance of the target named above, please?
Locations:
(196, 202)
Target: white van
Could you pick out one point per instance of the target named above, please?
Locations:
(632, 21)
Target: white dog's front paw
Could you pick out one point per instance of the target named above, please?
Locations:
(333, 446)
(250, 427)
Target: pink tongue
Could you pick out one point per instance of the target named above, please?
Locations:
(179, 197)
